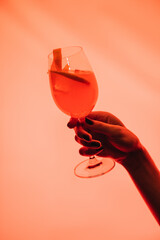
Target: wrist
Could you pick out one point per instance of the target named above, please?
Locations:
(135, 159)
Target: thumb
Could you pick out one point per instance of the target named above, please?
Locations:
(72, 122)
(104, 128)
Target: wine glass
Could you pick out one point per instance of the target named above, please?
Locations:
(75, 91)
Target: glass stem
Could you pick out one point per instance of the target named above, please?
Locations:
(93, 162)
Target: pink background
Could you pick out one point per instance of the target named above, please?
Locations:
(40, 196)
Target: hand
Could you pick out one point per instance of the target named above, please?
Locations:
(103, 134)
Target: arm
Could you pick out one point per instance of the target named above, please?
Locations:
(119, 143)
(146, 177)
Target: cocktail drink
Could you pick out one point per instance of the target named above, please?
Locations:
(75, 91)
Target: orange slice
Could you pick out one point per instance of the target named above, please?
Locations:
(66, 68)
(72, 77)
(57, 59)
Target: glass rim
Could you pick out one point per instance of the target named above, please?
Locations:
(50, 55)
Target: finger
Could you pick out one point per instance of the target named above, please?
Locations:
(85, 151)
(105, 117)
(105, 128)
(81, 133)
(72, 122)
(111, 152)
(93, 143)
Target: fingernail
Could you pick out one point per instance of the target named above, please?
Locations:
(96, 144)
(88, 121)
(86, 137)
(69, 125)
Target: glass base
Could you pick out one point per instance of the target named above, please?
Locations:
(94, 167)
